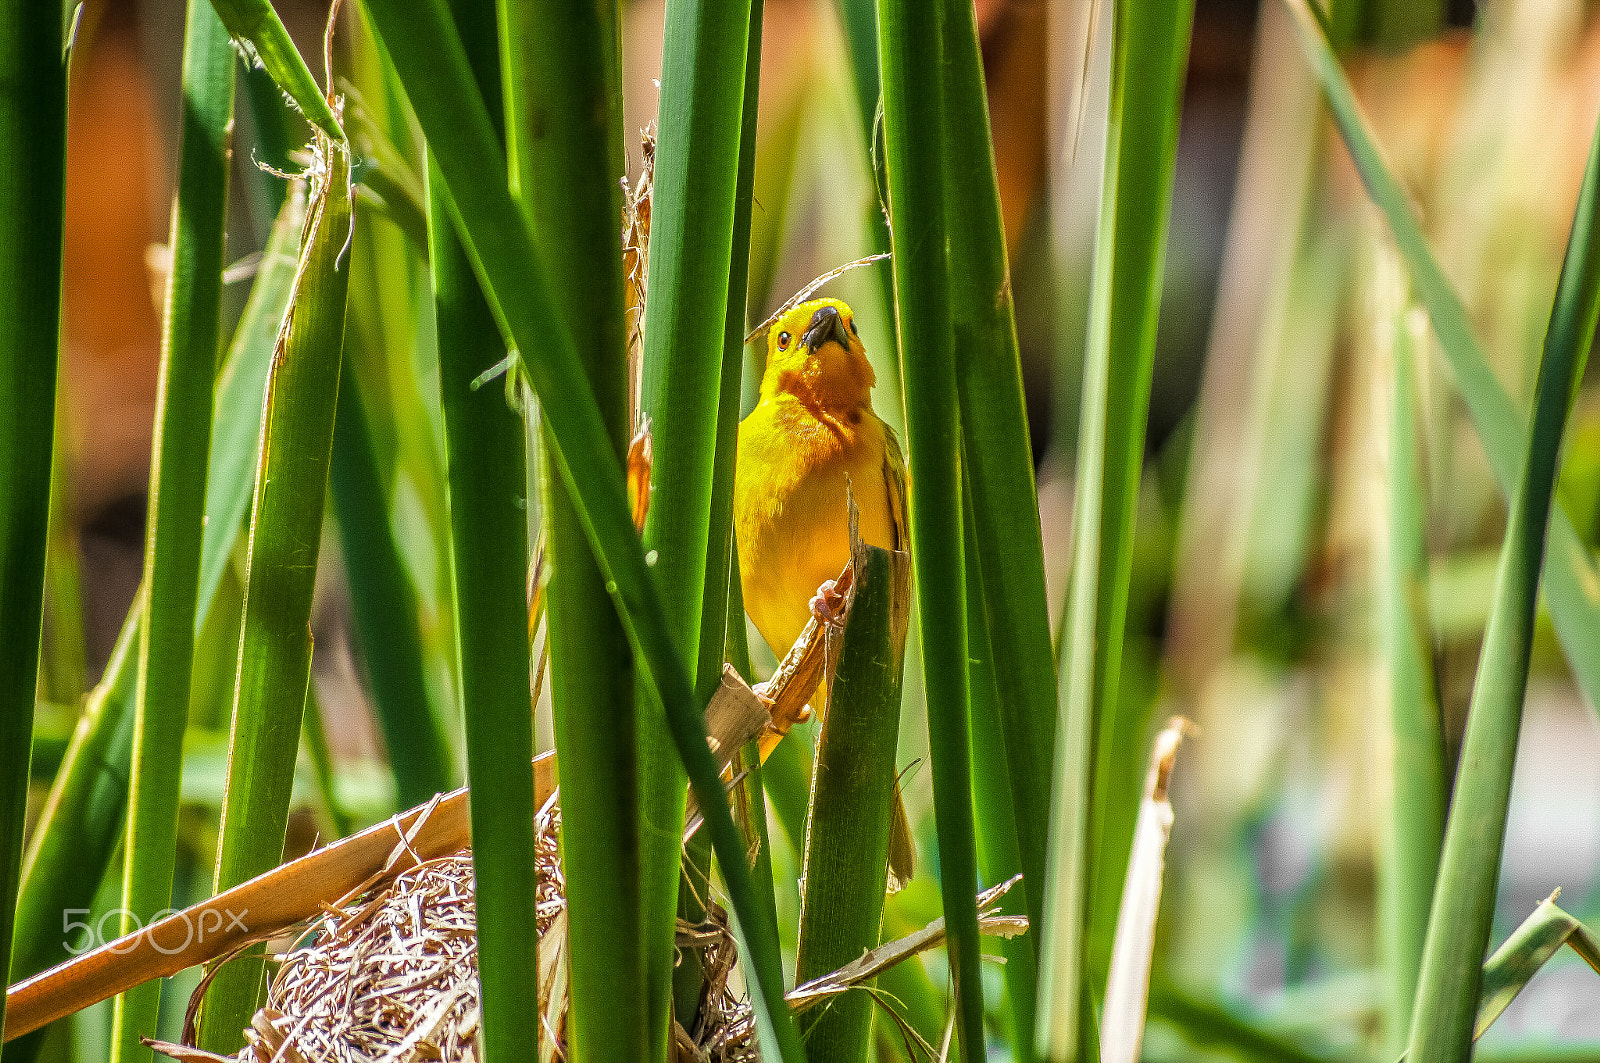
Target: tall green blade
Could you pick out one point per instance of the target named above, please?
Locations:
(685, 332)
(236, 434)
(285, 533)
(564, 130)
(592, 689)
(859, 18)
(997, 457)
(1572, 593)
(33, 129)
(717, 619)
(82, 819)
(1524, 951)
(691, 248)
(489, 555)
(1420, 773)
(431, 61)
(1449, 985)
(385, 608)
(176, 521)
(1150, 50)
(847, 830)
(63, 665)
(485, 443)
(998, 857)
(390, 347)
(256, 26)
(911, 42)
(751, 800)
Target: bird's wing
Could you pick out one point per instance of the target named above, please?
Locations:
(902, 847)
(894, 478)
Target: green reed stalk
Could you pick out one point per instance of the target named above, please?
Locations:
(1449, 985)
(176, 521)
(285, 534)
(1151, 45)
(860, 22)
(485, 442)
(256, 25)
(63, 667)
(1150, 49)
(562, 81)
(485, 445)
(33, 122)
(685, 334)
(998, 857)
(911, 44)
(997, 457)
(686, 315)
(1420, 773)
(384, 605)
(847, 829)
(717, 619)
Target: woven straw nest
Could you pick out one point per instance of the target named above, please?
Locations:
(394, 977)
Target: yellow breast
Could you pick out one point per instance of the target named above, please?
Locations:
(790, 514)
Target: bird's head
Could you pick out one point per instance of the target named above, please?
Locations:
(815, 353)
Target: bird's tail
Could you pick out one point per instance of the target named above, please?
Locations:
(902, 848)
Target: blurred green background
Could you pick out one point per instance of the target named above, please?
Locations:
(1254, 604)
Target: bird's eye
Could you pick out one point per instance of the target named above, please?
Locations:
(783, 341)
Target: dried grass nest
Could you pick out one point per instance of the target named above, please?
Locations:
(394, 976)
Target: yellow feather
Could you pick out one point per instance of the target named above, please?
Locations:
(812, 436)
(813, 432)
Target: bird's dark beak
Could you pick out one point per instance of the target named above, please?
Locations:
(826, 324)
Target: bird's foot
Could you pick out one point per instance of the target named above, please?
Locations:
(829, 603)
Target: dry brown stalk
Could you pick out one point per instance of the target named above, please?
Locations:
(875, 961)
(788, 693)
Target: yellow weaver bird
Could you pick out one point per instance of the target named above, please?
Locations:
(813, 432)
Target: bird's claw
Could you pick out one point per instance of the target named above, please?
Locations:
(829, 602)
